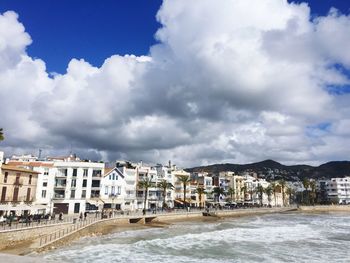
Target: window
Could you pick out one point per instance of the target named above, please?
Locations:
(84, 183)
(3, 194)
(28, 194)
(83, 194)
(44, 184)
(6, 176)
(43, 193)
(95, 183)
(75, 172)
(96, 173)
(110, 177)
(106, 190)
(74, 183)
(46, 171)
(113, 176)
(119, 190)
(30, 179)
(113, 190)
(17, 178)
(72, 194)
(85, 172)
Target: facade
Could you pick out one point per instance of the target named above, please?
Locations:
(18, 188)
(179, 189)
(338, 190)
(66, 184)
(113, 189)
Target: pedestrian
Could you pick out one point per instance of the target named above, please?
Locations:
(60, 217)
(85, 215)
(81, 216)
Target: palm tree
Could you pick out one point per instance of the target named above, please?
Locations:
(260, 192)
(200, 191)
(244, 190)
(217, 191)
(1, 134)
(268, 191)
(164, 185)
(283, 185)
(313, 192)
(145, 184)
(306, 184)
(231, 191)
(184, 179)
(290, 192)
(274, 190)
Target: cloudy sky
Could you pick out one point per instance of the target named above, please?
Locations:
(209, 82)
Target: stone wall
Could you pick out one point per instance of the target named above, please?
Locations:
(325, 208)
(12, 237)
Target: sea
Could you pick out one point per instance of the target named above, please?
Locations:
(293, 237)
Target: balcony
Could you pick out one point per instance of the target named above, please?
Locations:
(58, 196)
(60, 185)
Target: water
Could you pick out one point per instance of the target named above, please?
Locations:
(268, 238)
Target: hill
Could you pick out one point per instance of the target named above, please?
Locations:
(272, 170)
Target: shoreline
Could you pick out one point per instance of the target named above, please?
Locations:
(113, 226)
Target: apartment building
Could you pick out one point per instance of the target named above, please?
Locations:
(338, 190)
(66, 184)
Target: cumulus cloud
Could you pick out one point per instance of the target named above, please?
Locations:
(225, 83)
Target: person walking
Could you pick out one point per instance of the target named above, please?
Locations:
(85, 215)
(81, 216)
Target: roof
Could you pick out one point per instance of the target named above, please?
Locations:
(108, 170)
(33, 164)
(18, 169)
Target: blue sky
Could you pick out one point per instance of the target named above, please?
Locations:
(89, 29)
(94, 30)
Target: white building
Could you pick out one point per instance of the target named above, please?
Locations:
(338, 190)
(66, 184)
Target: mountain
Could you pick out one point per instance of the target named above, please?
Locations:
(272, 170)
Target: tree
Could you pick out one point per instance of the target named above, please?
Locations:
(306, 184)
(231, 191)
(290, 192)
(200, 191)
(244, 190)
(260, 192)
(145, 184)
(269, 191)
(312, 192)
(184, 179)
(164, 185)
(274, 187)
(1, 134)
(217, 191)
(283, 185)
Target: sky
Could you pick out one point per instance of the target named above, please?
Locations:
(195, 82)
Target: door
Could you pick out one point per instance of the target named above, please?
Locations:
(15, 194)
(28, 194)
(3, 194)
(76, 207)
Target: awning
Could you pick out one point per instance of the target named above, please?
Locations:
(38, 207)
(5, 207)
(21, 207)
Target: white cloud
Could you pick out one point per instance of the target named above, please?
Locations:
(225, 83)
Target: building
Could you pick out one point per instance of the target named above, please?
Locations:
(113, 190)
(338, 190)
(66, 184)
(18, 188)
